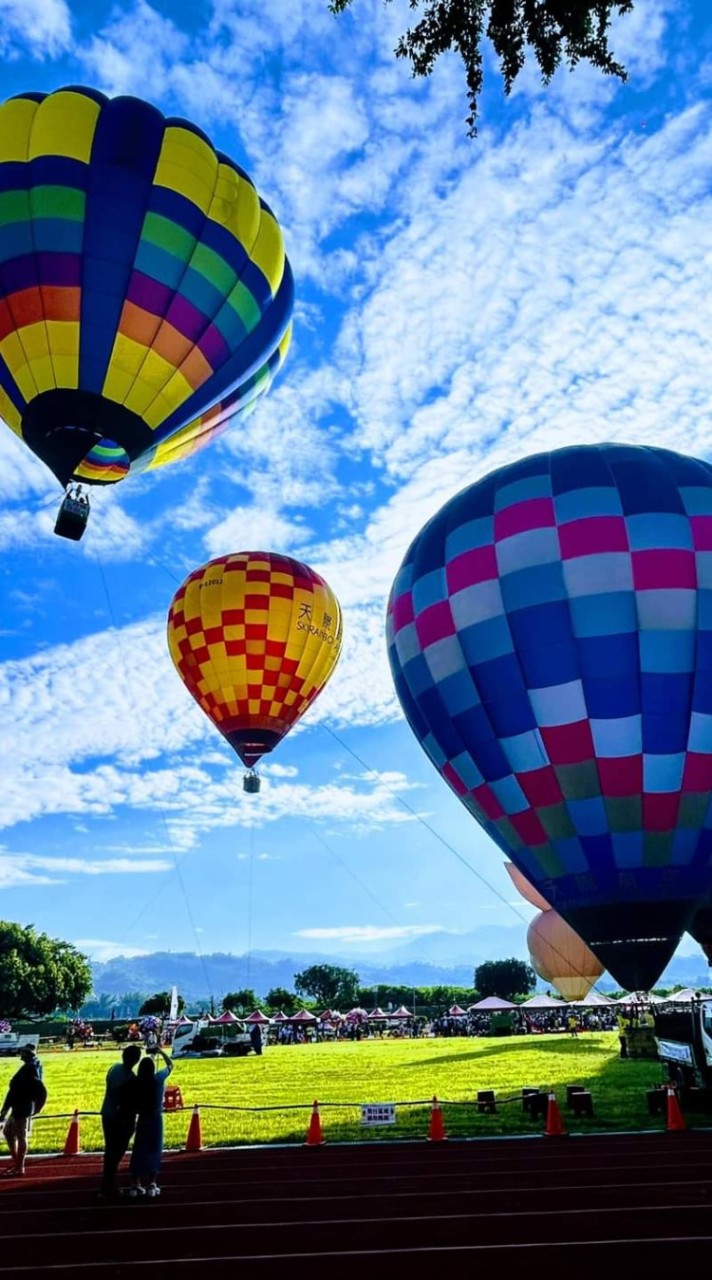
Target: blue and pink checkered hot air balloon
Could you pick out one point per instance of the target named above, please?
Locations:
(550, 637)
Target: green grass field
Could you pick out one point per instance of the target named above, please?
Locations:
(372, 1071)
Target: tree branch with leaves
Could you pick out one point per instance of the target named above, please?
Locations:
(556, 31)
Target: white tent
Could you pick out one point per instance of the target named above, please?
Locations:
(543, 1002)
(686, 996)
(638, 997)
(491, 1004)
(594, 998)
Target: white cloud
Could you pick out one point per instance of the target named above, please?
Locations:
(42, 29)
(135, 52)
(101, 950)
(20, 869)
(551, 294)
(99, 760)
(370, 932)
(253, 529)
(278, 770)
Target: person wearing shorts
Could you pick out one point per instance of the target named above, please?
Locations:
(17, 1110)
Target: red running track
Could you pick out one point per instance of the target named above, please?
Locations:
(622, 1202)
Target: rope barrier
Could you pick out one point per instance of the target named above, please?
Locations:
(69, 1115)
(294, 1106)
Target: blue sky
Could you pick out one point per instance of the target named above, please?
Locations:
(459, 304)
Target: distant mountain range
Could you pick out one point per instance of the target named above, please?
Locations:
(437, 959)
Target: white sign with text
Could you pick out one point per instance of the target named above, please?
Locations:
(378, 1113)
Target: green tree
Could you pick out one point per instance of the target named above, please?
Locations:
(328, 984)
(242, 1001)
(505, 978)
(554, 30)
(280, 998)
(39, 975)
(160, 1005)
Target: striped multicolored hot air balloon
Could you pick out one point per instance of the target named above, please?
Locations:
(254, 638)
(145, 296)
(550, 637)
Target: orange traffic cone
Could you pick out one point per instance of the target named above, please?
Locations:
(436, 1131)
(675, 1120)
(71, 1146)
(315, 1136)
(554, 1123)
(194, 1141)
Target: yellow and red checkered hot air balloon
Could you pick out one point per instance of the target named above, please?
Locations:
(254, 638)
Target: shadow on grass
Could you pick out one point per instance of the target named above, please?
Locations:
(505, 1045)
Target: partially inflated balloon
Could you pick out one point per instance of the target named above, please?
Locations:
(527, 890)
(145, 296)
(561, 957)
(254, 637)
(550, 637)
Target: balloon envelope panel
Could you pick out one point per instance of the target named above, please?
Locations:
(550, 637)
(254, 637)
(143, 282)
(527, 890)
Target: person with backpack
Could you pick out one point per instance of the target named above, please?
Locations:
(26, 1097)
(118, 1117)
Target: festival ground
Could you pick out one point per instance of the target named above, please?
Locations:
(354, 1073)
(623, 1202)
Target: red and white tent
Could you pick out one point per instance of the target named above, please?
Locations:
(225, 1018)
(259, 1018)
(402, 1013)
(377, 1015)
(280, 1017)
(456, 1012)
(302, 1017)
(356, 1015)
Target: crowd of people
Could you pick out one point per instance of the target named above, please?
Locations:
(134, 1094)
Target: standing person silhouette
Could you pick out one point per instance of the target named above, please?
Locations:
(25, 1096)
(118, 1117)
(148, 1143)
